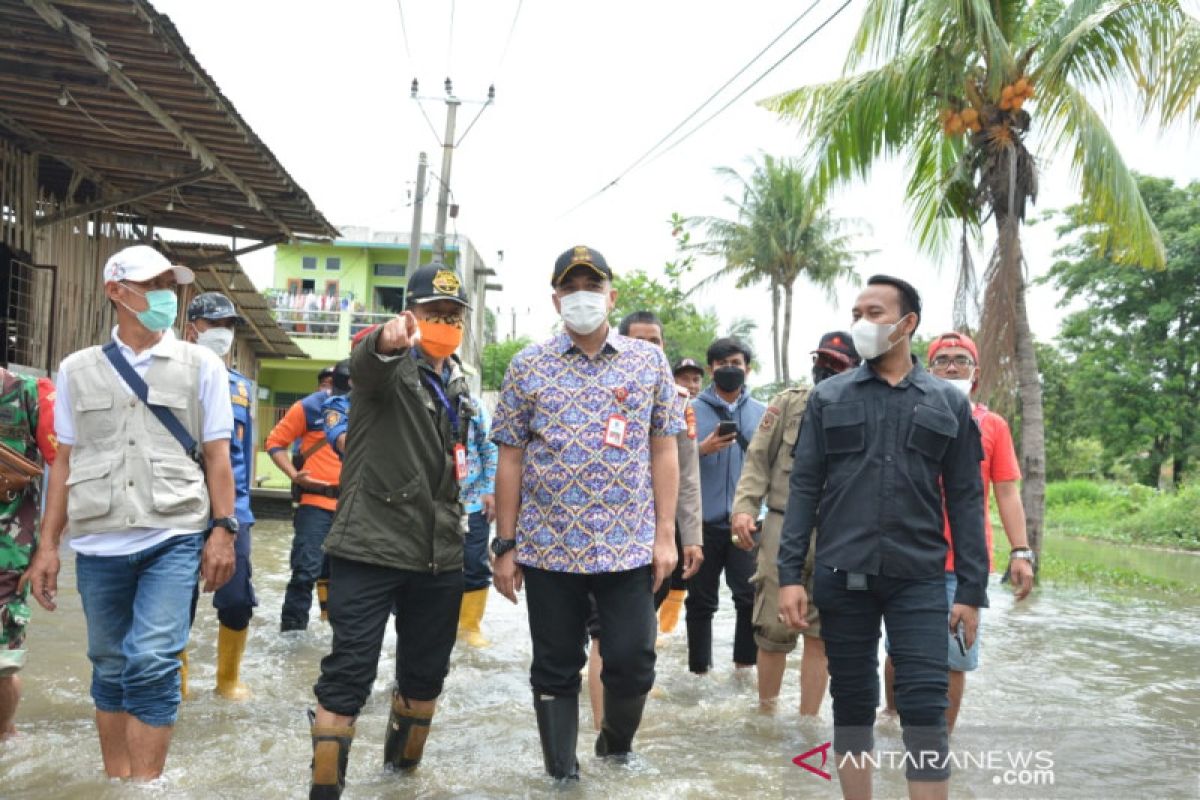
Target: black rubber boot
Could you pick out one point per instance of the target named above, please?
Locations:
(558, 727)
(331, 753)
(622, 716)
(406, 734)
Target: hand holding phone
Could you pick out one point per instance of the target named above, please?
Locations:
(727, 427)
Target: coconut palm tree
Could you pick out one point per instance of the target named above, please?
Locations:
(781, 232)
(961, 90)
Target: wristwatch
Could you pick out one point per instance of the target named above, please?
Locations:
(1022, 552)
(501, 546)
(228, 523)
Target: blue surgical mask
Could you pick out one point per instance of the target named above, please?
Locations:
(162, 308)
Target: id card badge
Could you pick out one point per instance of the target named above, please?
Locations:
(460, 462)
(614, 432)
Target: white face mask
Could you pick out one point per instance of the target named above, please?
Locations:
(962, 384)
(219, 340)
(873, 339)
(584, 312)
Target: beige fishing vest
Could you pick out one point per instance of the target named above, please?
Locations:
(127, 470)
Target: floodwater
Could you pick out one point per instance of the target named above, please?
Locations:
(1170, 565)
(1098, 693)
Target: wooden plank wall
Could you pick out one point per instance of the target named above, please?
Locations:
(18, 196)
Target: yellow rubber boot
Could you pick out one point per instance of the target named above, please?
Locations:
(470, 615)
(323, 598)
(183, 673)
(668, 614)
(231, 645)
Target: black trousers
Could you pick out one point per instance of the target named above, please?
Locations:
(914, 611)
(361, 596)
(720, 555)
(559, 607)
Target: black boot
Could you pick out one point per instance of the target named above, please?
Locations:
(331, 752)
(558, 727)
(406, 734)
(622, 716)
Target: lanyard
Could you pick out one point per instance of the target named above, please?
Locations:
(441, 395)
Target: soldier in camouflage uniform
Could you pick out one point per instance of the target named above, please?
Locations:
(764, 478)
(18, 534)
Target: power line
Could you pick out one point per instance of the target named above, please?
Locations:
(404, 34)
(450, 40)
(754, 83)
(642, 158)
(508, 41)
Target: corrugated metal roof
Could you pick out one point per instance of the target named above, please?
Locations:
(116, 104)
(218, 271)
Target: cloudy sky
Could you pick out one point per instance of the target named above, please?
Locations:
(583, 90)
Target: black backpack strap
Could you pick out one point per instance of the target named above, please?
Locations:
(161, 413)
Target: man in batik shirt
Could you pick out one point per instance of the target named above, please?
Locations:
(585, 503)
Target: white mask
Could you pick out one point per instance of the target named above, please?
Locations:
(584, 312)
(873, 339)
(962, 384)
(219, 340)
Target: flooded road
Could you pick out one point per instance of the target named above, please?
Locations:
(1106, 686)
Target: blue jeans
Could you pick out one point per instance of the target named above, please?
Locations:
(477, 571)
(137, 624)
(308, 564)
(914, 611)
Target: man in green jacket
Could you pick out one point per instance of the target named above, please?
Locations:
(397, 538)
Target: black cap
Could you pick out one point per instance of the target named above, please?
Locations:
(326, 372)
(840, 346)
(341, 377)
(436, 281)
(580, 256)
(212, 306)
(686, 363)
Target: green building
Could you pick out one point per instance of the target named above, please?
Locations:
(325, 292)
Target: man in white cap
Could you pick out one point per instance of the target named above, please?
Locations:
(143, 468)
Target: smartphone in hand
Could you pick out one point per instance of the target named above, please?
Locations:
(727, 427)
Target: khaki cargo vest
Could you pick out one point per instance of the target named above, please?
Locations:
(127, 470)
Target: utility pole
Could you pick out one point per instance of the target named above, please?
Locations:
(514, 324)
(448, 144)
(439, 232)
(414, 242)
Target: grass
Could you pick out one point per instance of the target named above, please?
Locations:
(1132, 514)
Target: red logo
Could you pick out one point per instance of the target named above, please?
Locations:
(621, 393)
(799, 761)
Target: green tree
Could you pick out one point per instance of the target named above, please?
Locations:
(942, 84)
(687, 331)
(1135, 345)
(780, 232)
(496, 356)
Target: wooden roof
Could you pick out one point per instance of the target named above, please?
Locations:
(217, 270)
(122, 114)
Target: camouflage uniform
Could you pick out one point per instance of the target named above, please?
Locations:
(764, 478)
(18, 517)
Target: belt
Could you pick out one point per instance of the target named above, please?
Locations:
(324, 491)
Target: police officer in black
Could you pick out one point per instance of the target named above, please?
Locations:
(397, 537)
(879, 448)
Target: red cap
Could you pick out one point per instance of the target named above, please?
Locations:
(953, 339)
(364, 333)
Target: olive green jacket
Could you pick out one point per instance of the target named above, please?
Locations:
(399, 503)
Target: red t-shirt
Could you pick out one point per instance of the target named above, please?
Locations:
(999, 465)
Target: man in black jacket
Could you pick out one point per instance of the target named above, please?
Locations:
(396, 540)
(879, 448)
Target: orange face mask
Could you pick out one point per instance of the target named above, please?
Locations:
(439, 339)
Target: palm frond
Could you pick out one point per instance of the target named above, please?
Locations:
(1103, 45)
(856, 120)
(1109, 188)
(880, 34)
(1179, 90)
